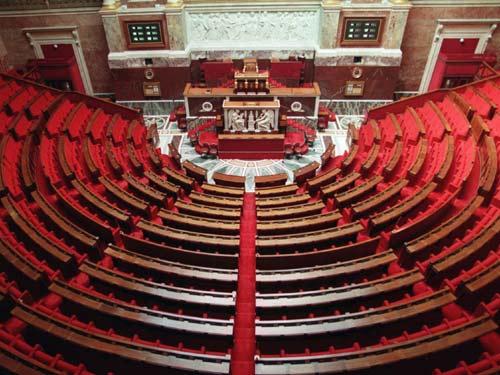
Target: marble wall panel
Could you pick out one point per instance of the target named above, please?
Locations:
(329, 26)
(175, 25)
(379, 81)
(114, 35)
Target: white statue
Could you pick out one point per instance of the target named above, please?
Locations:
(236, 121)
(265, 120)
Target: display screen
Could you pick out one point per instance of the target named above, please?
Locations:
(144, 32)
(362, 29)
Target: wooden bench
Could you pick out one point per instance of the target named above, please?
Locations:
(175, 155)
(178, 178)
(369, 319)
(417, 164)
(307, 239)
(127, 199)
(453, 262)
(68, 171)
(333, 188)
(110, 155)
(371, 158)
(390, 214)
(199, 224)
(132, 155)
(27, 274)
(361, 208)
(103, 207)
(208, 211)
(464, 106)
(300, 210)
(120, 347)
(307, 172)
(89, 159)
(146, 192)
(394, 159)
(205, 241)
(376, 131)
(446, 165)
(153, 156)
(223, 191)
(373, 288)
(149, 264)
(83, 238)
(131, 133)
(161, 184)
(440, 116)
(195, 171)
(470, 290)
(374, 358)
(422, 243)
(479, 128)
(327, 154)
(345, 198)
(272, 180)
(229, 180)
(315, 183)
(138, 314)
(179, 255)
(353, 152)
(282, 201)
(418, 122)
(488, 160)
(155, 290)
(276, 191)
(27, 156)
(492, 106)
(214, 200)
(88, 220)
(353, 253)
(303, 224)
(49, 249)
(396, 126)
(16, 362)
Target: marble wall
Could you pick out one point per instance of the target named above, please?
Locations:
(418, 38)
(92, 38)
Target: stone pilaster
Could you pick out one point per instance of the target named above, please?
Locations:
(330, 16)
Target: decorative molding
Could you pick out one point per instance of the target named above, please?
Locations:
(48, 12)
(370, 57)
(39, 36)
(135, 59)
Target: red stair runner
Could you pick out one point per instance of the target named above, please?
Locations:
(242, 357)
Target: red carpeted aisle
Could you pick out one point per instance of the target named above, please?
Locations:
(242, 357)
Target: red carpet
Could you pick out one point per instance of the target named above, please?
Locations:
(242, 357)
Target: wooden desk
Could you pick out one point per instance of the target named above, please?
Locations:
(304, 224)
(229, 180)
(223, 191)
(287, 212)
(195, 171)
(202, 210)
(271, 180)
(178, 178)
(282, 201)
(306, 172)
(276, 191)
(344, 182)
(214, 200)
